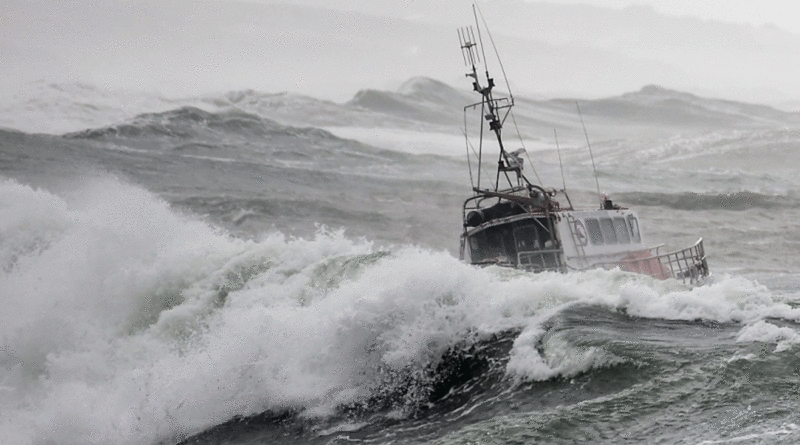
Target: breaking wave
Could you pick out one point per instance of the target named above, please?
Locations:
(126, 321)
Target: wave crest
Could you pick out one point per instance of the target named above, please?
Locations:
(194, 123)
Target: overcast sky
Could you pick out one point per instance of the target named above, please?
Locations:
(331, 49)
(781, 13)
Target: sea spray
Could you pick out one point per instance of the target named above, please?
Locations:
(127, 321)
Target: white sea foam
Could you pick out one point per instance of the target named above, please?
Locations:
(783, 337)
(124, 321)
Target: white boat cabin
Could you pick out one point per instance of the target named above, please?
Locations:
(510, 233)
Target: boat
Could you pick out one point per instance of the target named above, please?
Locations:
(516, 223)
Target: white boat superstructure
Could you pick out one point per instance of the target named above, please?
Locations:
(526, 226)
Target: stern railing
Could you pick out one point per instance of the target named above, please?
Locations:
(687, 264)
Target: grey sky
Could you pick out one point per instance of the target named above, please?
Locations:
(332, 49)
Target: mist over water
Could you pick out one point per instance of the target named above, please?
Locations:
(254, 267)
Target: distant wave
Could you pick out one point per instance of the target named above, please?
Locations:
(423, 101)
(10, 133)
(705, 201)
(192, 122)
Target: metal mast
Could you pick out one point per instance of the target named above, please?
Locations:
(490, 107)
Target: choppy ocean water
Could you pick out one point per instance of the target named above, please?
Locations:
(273, 269)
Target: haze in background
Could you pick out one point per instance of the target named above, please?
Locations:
(308, 47)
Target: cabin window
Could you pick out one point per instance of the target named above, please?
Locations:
(607, 227)
(492, 243)
(527, 244)
(633, 223)
(593, 226)
(621, 230)
(526, 238)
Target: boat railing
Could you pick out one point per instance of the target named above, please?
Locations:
(476, 202)
(688, 265)
(540, 260)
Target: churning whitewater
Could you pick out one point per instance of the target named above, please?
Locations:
(221, 272)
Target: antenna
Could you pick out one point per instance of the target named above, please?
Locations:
(468, 43)
(483, 51)
(558, 149)
(590, 150)
(563, 181)
(496, 53)
(466, 38)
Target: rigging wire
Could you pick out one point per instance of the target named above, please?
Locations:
(471, 147)
(467, 146)
(480, 40)
(514, 120)
(477, 12)
(480, 145)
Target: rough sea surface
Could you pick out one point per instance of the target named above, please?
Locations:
(271, 268)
